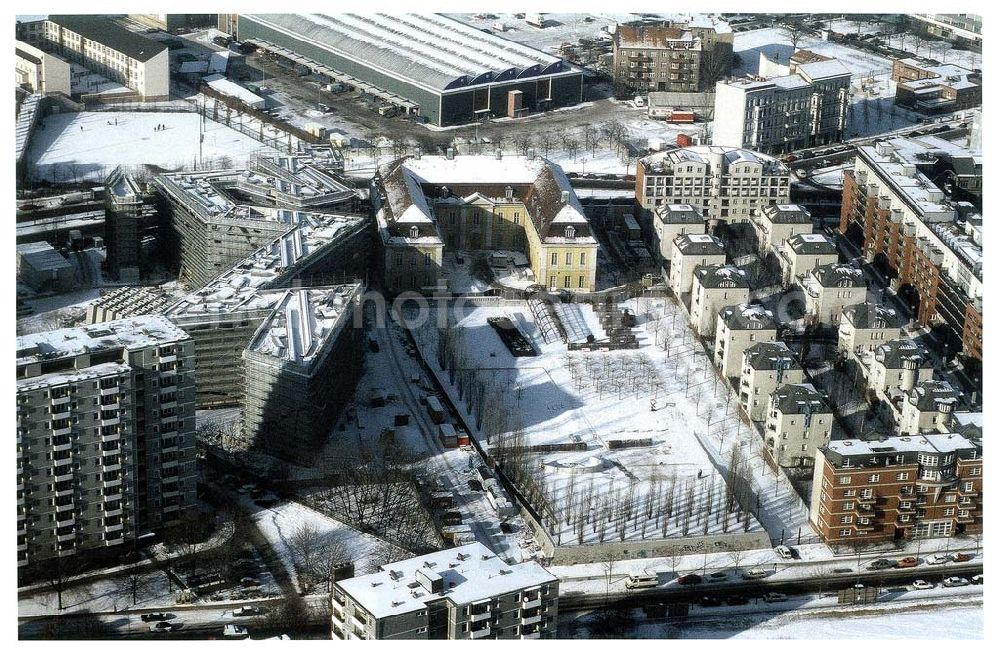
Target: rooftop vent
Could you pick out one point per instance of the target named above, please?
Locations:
(565, 196)
(450, 153)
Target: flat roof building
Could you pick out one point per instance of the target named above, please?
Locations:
(808, 107)
(43, 269)
(466, 592)
(430, 65)
(105, 436)
(106, 48)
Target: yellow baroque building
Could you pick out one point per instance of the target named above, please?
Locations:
(426, 204)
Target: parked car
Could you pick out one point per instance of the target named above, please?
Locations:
(718, 576)
(978, 579)
(939, 559)
(955, 581)
(907, 562)
(961, 557)
(783, 551)
(881, 564)
(774, 596)
(155, 616)
(710, 601)
(162, 626)
(735, 600)
(235, 631)
(689, 579)
(754, 573)
(841, 570)
(248, 611)
(922, 584)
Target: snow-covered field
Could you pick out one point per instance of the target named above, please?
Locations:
(568, 398)
(280, 523)
(83, 146)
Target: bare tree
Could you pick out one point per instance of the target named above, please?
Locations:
(794, 30)
(132, 584)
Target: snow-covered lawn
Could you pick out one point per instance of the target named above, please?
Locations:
(280, 523)
(679, 470)
(88, 145)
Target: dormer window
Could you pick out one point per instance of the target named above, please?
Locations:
(570, 232)
(414, 232)
(509, 192)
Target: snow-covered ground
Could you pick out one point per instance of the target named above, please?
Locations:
(83, 146)
(57, 311)
(691, 431)
(280, 523)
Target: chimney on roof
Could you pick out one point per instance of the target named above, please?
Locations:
(531, 153)
(565, 196)
(499, 154)
(450, 153)
(418, 153)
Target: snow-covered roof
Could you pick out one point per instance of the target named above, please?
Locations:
(929, 395)
(132, 333)
(866, 315)
(219, 82)
(412, 187)
(747, 317)
(814, 71)
(429, 50)
(787, 213)
(796, 398)
(470, 573)
(699, 244)
(771, 356)
(303, 323)
(895, 353)
(942, 443)
(67, 376)
(246, 286)
(720, 276)
(664, 161)
(838, 275)
(811, 243)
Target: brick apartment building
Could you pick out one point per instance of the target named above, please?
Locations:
(932, 88)
(676, 57)
(928, 246)
(898, 488)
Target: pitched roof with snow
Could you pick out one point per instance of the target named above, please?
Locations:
(838, 275)
(936, 443)
(771, 356)
(411, 187)
(796, 398)
(664, 161)
(894, 354)
(679, 214)
(699, 244)
(929, 395)
(811, 244)
(721, 276)
(744, 317)
(787, 213)
(869, 315)
(429, 50)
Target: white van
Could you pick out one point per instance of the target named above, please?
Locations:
(641, 582)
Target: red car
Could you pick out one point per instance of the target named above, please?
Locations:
(963, 556)
(689, 579)
(907, 562)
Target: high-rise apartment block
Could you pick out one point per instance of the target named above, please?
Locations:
(105, 435)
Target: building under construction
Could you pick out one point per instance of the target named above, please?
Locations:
(217, 217)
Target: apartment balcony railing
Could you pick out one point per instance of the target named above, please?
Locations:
(65, 431)
(533, 635)
(479, 634)
(60, 400)
(537, 618)
(483, 615)
(64, 477)
(531, 603)
(69, 522)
